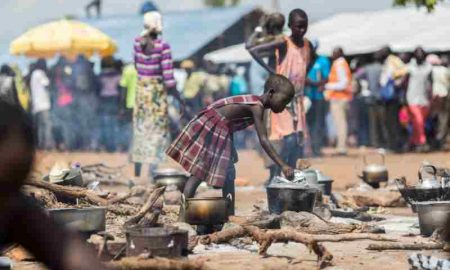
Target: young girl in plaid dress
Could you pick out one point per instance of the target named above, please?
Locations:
(205, 147)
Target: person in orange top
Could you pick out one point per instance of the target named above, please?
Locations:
(338, 91)
(291, 57)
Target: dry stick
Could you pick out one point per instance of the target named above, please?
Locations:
(405, 246)
(135, 191)
(133, 263)
(352, 237)
(152, 199)
(72, 192)
(266, 237)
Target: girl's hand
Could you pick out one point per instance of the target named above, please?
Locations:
(288, 172)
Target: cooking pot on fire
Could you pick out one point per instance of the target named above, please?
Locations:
(206, 211)
(375, 173)
(168, 177)
(429, 182)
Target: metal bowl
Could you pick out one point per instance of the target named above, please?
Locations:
(85, 220)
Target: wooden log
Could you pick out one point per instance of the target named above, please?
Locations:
(44, 197)
(72, 192)
(133, 263)
(152, 199)
(405, 246)
(353, 237)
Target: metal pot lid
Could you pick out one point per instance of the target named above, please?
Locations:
(170, 172)
(299, 186)
(322, 177)
(372, 168)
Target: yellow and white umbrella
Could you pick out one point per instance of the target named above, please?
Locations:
(65, 37)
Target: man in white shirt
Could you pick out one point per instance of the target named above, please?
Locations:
(40, 100)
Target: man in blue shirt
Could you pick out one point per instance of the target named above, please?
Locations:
(317, 77)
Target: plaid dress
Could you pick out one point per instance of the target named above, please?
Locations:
(204, 148)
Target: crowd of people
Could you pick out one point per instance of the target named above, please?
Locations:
(72, 107)
(398, 102)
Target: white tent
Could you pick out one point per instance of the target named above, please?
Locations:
(231, 54)
(401, 28)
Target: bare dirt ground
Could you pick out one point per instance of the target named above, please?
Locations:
(250, 168)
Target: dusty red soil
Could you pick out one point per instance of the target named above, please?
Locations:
(343, 170)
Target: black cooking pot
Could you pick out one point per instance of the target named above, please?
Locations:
(291, 197)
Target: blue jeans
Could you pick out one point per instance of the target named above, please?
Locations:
(316, 123)
(109, 123)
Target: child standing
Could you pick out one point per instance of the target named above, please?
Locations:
(205, 147)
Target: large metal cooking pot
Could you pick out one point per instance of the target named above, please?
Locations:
(430, 182)
(159, 241)
(85, 220)
(206, 211)
(168, 177)
(432, 216)
(374, 173)
(291, 197)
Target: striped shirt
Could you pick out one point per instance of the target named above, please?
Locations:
(158, 64)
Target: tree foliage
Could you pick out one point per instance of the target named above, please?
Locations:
(429, 4)
(220, 3)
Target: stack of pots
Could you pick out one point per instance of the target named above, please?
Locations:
(430, 198)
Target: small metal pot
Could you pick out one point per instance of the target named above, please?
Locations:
(432, 216)
(85, 220)
(168, 177)
(373, 173)
(291, 197)
(206, 211)
(160, 242)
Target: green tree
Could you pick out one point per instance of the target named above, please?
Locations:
(220, 3)
(429, 4)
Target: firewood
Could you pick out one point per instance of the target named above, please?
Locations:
(72, 192)
(353, 237)
(266, 237)
(44, 197)
(133, 263)
(152, 199)
(134, 191)
(405, 246)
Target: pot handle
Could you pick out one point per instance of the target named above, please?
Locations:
(383, 159)
(229, 199)
(426, 166)
(184, 203)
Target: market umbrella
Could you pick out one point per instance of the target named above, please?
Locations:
(65, 37)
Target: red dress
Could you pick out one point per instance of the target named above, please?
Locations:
(204, 146)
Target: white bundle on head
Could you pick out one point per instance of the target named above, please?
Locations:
(153, 22)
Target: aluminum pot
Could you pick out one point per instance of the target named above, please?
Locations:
(374, 173)
(206, 211)
(168, 177)
(85, 220)
(291, 197)
(325, 183)
(158, 241)
(432, 216)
